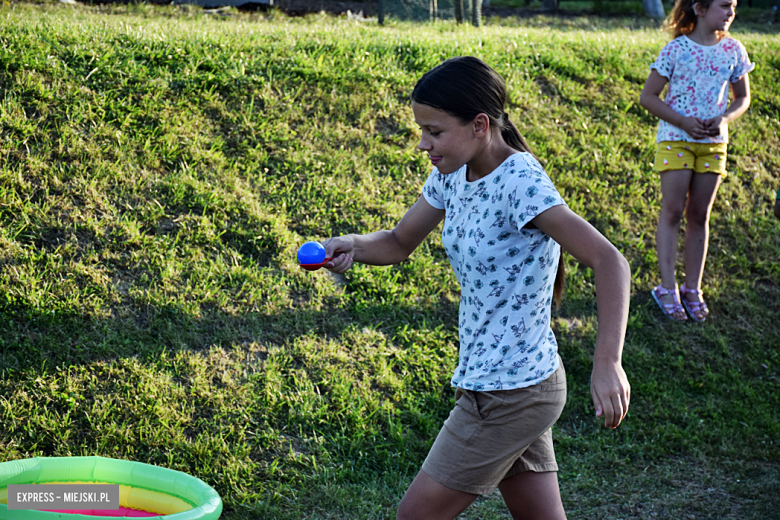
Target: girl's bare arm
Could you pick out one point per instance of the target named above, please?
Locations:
(740, 93)
(649, 98)
(610, 389)
(384, 247)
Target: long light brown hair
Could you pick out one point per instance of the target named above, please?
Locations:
(682, 19)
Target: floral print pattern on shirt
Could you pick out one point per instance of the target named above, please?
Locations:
(699, 78)
(506, 272)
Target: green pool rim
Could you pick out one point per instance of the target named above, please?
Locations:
(205, 501)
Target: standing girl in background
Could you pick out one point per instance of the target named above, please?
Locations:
(504, 226)
(700, 64)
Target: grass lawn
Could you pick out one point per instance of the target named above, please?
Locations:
(159, 169)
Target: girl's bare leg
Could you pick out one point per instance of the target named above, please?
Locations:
(533, 496)
(704, 186)
(674, 192)
(427, 499)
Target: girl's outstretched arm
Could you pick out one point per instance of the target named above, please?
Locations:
(609, 385)
(740, 92)
(650, 99)
(384, 247)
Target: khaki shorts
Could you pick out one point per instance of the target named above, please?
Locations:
(490, 436)
(699, 157)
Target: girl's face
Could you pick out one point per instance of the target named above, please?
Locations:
(719, 15)
(448, 142)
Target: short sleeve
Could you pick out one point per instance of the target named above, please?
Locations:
(530, 192)
(664, 64)
(743, 65)
(433, 190)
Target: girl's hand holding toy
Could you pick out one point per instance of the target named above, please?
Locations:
(335, 255)
(340, 250)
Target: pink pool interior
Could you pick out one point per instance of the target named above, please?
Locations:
(124, 512)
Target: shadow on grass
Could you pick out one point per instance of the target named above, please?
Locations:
(709, 395)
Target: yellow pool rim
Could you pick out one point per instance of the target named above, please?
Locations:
(171, 494)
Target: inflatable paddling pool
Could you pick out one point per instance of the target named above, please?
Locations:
(144, 490)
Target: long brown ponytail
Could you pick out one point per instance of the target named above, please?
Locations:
(465, 87)
(512, 135)
(515, 139)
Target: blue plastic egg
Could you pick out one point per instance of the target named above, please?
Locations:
(311, 253)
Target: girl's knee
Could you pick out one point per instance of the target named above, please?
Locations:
(697, 216)
(671, 215)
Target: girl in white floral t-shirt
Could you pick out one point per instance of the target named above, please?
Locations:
(504, 225)
(701, 64)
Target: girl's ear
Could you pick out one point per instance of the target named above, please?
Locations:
(481, 125)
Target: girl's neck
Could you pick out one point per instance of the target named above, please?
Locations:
(495, 152)
(704, 36)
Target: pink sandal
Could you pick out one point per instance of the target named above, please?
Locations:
(668, 308)
(694, 307)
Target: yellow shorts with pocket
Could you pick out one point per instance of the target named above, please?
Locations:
(699, 157)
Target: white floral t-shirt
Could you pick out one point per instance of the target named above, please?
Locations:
(506, 272)
(699, 78)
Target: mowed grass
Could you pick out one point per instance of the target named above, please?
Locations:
(160, 168)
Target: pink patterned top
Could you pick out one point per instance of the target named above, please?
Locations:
(699, 78)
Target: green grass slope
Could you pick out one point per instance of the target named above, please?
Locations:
(158, 171)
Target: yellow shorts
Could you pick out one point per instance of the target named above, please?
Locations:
(699, 157)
